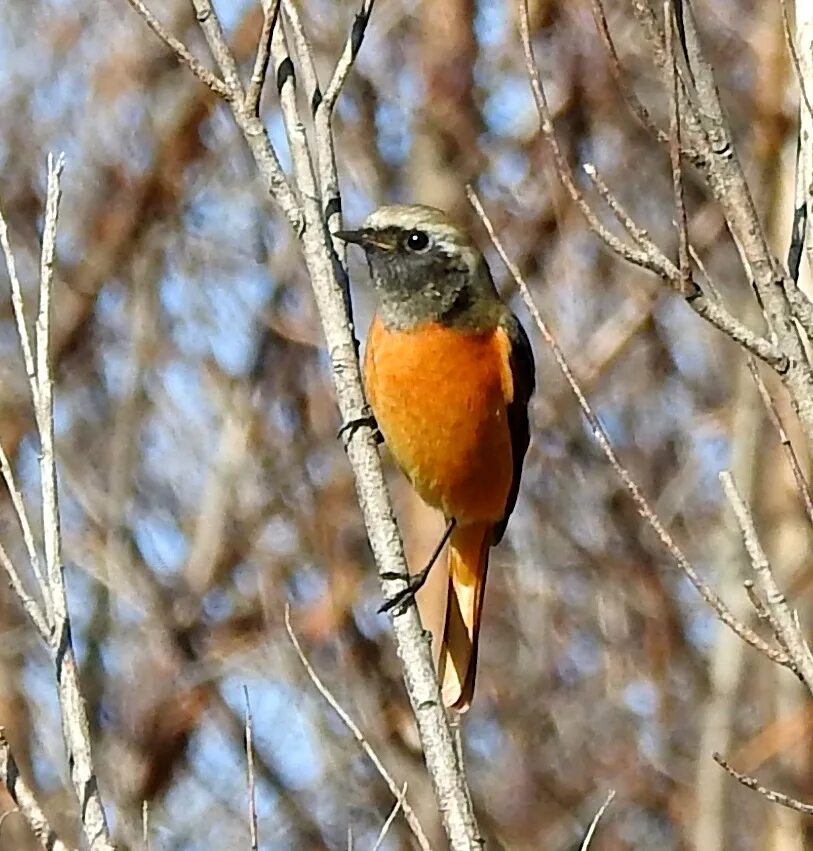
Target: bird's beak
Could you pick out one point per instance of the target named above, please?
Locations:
(356, 236)
(366, 238)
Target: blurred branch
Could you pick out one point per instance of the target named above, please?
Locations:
(588, 838)
(390, 819)
(638, 109)
(24, 798)
(75, 729)
(770, 794)
(784, 439)
(252, 805)
(400, 795)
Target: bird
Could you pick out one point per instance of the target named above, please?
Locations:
(448, 374)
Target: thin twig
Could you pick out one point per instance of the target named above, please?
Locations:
(639, 234)
(22, 517)
(145, 825)
(787, 447)
(31, 606)
(638, 109)
(409, 813)
(75, 728)
(685, 282)
(641, 504)
(18, 307)
(756, 601)
(304, 54)
(654, 261)
(390, 819)
(218, 44)
(24, 798)
(588, 838)
(252, 801)
(182, 51)
(260, 71)
(794, 55)
(348, 57)
(782, 619)
(772, 795)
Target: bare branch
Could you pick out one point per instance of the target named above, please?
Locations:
(784, 439)
(348, 57)
(638, 109)
(222, 53)
(640, 501)
(588, 838)
(181, 51)
(31, 606)
(24, 798)
(304, 54)
(52, 584)
(782, 619)
(390, 819)
(409, 813)
(794, 55)
(653, 261)
(260, 71)
(145, 825)
(252, 801)
(712, 311)
(685, 277)
(773, 796)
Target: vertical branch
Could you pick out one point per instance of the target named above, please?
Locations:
(51, 581)
(803, 62)
(674, 150)
(250, 782)
(302, 205)
(75, 728)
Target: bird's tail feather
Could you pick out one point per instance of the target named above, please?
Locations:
(468, 565)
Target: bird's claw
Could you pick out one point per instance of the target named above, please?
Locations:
(350, 427)
(404, 598)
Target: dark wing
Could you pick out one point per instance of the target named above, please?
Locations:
(523, 372)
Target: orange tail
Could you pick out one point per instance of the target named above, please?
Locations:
(468, 564)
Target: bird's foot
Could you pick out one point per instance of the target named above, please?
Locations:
(406, 596)
(350, 427)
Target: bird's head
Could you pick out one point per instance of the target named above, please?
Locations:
(423, 266)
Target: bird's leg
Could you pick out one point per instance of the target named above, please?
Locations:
(350, 427)
(402, 599)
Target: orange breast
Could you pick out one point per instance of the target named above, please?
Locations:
(439, 396)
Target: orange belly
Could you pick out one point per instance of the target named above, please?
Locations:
(439, 397)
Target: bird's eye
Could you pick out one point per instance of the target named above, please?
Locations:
(417, 240)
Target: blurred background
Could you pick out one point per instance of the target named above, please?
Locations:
(203, 486)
